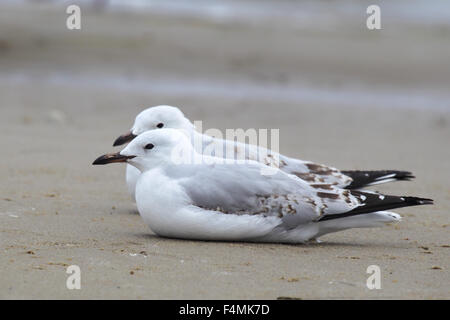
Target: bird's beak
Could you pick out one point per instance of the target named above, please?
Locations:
(112, 158)
(127, 137)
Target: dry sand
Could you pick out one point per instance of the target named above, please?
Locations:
(57, 210)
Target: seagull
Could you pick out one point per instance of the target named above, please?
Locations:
(164, 116)
(183, 194)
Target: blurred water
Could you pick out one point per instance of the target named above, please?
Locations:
(436, 12)
(350, 95)
(288, 12)
(405, 11)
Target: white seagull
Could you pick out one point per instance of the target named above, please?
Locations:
(183, 194)
(159, 117)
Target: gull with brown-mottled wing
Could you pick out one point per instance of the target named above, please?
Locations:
(184, 194)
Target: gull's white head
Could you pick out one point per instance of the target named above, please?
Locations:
(151, 149)
(154, 118)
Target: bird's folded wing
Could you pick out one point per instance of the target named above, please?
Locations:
(233, 188)
(306, 170)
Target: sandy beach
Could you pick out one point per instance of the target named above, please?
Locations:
(339, 95)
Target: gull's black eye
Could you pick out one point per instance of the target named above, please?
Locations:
(149, 146)
(160, 125)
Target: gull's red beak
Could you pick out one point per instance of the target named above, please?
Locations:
(127, 137)
(111, 158)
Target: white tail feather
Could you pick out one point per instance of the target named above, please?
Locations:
(368, 220)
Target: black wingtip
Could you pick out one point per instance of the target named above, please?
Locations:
(403, 175)
(367, 178)
(372, 202)
(414, 201)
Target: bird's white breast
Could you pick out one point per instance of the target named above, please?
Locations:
(132, 176)
(167, 210)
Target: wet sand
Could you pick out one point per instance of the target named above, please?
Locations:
(57, 210)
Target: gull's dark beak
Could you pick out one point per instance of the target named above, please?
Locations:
(127, 137)
(111, 158)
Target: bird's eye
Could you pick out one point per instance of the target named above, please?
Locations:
(149, 146)
(160, 125)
